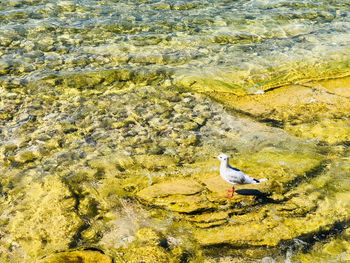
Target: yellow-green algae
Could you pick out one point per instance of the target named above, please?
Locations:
(306, 211)
(102, 169)
(77, 257)
(43, 220)
(335, 250)
(293, 104)
(327, 130)
(97, 140)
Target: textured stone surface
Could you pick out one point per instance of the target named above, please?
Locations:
(41, 218)
(132, 174)
(78, 257)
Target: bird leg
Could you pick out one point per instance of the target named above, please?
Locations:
(230, 192)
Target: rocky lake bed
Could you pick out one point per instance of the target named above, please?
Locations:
(111, 113)
(128, 174)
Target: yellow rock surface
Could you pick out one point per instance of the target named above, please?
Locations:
(42, 222)
(77, 257)
(175, 187)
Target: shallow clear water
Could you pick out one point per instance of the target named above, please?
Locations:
(95, 107)
(242, 43)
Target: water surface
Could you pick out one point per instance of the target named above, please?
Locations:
(239, 43)
(97, 105)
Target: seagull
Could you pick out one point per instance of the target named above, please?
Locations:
(233, 175)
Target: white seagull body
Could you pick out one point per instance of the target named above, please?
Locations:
(233, 175)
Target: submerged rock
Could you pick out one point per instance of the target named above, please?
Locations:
(176, 187)
(85, 256)
(337, 249)
(131, 173)
(329, 131)
(293, 104)
(28, 154)
(176, 195)
(42, 219)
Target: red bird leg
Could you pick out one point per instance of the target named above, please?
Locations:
(231, 192)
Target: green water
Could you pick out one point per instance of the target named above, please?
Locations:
(241, 43)
(99, 114)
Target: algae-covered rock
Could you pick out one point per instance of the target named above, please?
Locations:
(265, 228)
(184, 204)
(44, 218)
(28, 154)
(147, 254)
(337, 249)
(329, 131)
(289, 104)
(303, 213)
(176, 187)
(177, 195)
(206, 220)
(339, 86)
(86, 256)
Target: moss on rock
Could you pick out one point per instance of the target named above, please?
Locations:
(289, 104)
(44, 218)
(85, 256)
(177, 195)
(176, 187)
(329, 131)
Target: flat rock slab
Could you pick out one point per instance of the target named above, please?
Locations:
(293, 103)
(304, 213)
(78, 257)
(329, 131)
(178, 195)
(176, 187)
(44, 218)
(340, 86)
(184, 203)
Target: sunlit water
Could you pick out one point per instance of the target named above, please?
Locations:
(242, 43)
(60, 49)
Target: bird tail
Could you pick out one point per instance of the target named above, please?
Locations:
(258, 181)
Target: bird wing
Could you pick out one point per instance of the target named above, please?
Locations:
(236, 176)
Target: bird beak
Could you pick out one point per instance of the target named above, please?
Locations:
(215, 157)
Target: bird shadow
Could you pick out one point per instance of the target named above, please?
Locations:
(250, 192)
(259, 195)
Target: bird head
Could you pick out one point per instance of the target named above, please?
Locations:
(222, 157)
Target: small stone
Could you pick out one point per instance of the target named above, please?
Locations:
(190, 140)
(28, 154)
(148, 236)
(179, 109)
(11, 95)
(199, 120)
(190, 126)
